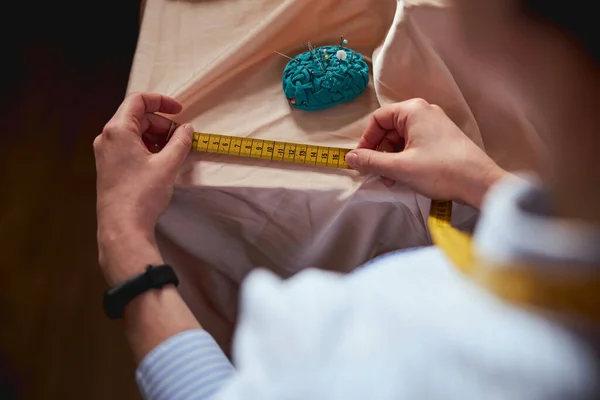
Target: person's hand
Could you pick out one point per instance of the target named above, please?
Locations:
(415, 143)
(136, 166)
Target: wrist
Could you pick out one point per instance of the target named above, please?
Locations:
(123, 253)
(480, 184)
(153, 317)
(129, 217)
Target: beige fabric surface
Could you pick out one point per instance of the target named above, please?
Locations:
(231, 215)
(425, 55)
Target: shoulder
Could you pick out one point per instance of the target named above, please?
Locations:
(389, 330)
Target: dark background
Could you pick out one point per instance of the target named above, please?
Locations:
(65, 67)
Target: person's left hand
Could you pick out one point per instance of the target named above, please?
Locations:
(135, 184)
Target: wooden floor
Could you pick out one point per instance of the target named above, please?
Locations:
(54, 341)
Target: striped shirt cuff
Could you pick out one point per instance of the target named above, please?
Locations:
(189, 365)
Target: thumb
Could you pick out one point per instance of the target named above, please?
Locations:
(374, 162)
(178, 146)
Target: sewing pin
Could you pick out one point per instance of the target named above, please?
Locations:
(171, 130)
(343, 41)
(314, 55)
(281, 54)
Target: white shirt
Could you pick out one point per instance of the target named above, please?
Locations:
(407, 325)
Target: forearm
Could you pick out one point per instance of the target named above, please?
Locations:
(154, 316)
(177, 359)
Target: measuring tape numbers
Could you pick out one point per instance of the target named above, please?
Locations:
(307, 154)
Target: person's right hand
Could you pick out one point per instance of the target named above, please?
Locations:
(436, 158)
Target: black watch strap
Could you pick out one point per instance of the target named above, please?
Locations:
(155, 277)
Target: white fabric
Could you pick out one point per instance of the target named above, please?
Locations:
(408, 326)
(544, 239)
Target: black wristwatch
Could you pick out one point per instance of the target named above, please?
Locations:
(155, 277)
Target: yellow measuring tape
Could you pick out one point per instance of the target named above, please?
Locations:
(296, 153)
(524, 285)
(570, 293)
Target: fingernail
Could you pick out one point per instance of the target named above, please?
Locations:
(188, 128)
(352, 159)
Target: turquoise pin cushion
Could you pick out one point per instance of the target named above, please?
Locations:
(325, 77)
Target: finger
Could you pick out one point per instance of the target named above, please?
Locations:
(373, 134)
(178, 146)
(387, 147)
(381, 125)
(389, 119)
(374, 162)
(138, 104)
(156, 124)
(135, 107)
